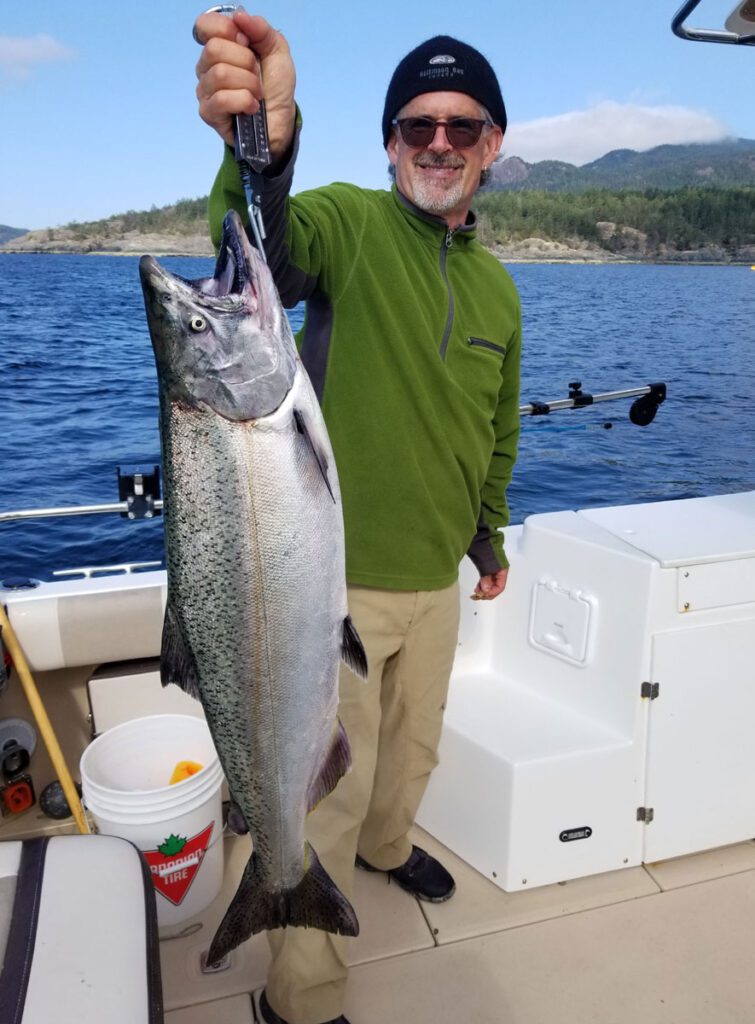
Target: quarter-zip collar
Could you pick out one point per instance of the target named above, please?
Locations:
(437, 230)
(441, 238)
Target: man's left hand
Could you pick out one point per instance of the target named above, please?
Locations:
(490, 586)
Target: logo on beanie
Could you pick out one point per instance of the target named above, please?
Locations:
(442, 58)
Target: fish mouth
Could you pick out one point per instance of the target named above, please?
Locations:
(237, 265)
(237, 279)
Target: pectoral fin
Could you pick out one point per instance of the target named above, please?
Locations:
(177, 662)
(316, 449)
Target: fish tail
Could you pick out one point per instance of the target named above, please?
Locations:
(316, 902)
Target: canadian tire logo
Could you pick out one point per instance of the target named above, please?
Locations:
(175, 863)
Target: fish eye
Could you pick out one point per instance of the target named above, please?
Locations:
(197, 323)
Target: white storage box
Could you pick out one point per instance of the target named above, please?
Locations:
(600, 712)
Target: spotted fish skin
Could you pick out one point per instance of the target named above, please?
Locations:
(256, 621)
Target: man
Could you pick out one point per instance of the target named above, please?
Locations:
(412, 339)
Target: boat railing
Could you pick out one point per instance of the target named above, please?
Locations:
(71, 510)
(139, 491)
(93, 571)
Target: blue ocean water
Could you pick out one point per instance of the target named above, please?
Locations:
(79, 394)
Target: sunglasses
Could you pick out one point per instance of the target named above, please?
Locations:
(461, 132)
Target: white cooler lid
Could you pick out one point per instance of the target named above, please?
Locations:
(684, 532)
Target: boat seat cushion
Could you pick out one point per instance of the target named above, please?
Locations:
(81, 943)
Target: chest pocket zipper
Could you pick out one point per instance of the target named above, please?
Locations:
(482, 343)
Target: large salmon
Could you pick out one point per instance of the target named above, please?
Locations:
(256, 622)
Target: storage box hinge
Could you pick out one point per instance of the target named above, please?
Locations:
(645, 814)
(650, 691)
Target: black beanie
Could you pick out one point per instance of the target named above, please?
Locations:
(443, 64)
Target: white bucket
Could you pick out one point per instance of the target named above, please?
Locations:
(125, 777)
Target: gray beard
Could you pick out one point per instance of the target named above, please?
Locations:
(433, 200)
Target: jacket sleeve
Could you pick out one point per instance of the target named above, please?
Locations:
(487, 547)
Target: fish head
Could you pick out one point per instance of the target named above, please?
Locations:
(221, 343)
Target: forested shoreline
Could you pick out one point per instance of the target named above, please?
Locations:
(693, 223)
(186, 217)
(685, 219)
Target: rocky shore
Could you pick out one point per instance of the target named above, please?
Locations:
(624, 245)
(541, 250)
(129, 243)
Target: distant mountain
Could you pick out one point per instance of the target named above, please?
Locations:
(665, 167)
(696, 205)
(7, 233)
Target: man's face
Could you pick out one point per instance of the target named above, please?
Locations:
(438, 178)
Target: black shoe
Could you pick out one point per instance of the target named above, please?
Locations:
(422, 875)
(269, 1016)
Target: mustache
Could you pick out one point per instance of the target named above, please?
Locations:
(439, 160)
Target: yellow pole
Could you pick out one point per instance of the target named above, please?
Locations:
(43, 722)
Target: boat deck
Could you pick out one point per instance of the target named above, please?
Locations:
(669, 943)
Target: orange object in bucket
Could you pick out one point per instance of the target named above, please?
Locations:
(184, 770)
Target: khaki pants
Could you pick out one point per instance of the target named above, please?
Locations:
(393, 722)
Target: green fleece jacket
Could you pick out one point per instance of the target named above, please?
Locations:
(412, 338)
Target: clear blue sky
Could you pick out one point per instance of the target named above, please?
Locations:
(98, 114)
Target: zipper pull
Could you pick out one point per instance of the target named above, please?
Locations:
(450, 237)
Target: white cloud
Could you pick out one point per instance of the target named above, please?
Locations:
(19, 55)
(584, 135)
